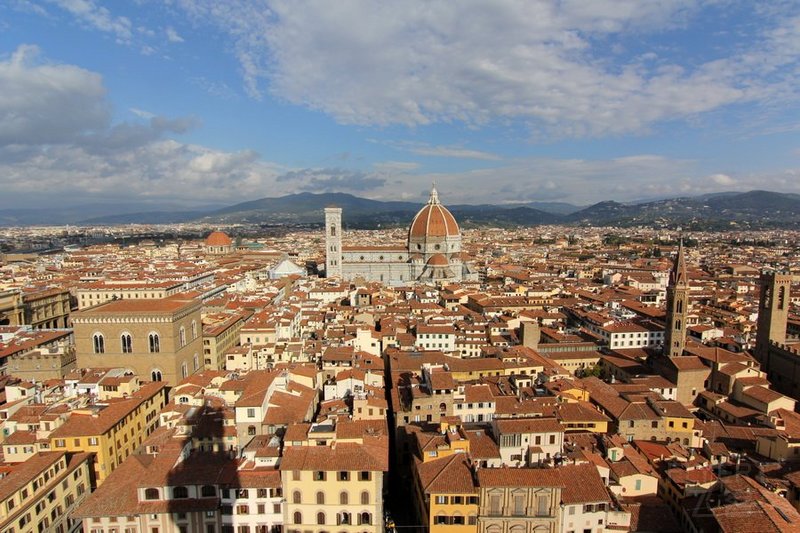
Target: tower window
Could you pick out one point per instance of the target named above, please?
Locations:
(333, 231)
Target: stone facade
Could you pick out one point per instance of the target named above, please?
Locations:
(156, 339)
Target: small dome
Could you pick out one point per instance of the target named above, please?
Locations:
(434, 220)
(438, 260)
(218, 238)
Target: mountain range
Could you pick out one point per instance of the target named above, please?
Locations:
(728, 210)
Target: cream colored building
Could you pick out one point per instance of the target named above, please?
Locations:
(220, 334)
(41, 493)
(159, 340)
(333, 476)
(98, 292)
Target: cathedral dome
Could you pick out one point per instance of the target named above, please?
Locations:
(218, 238)
(433, 220)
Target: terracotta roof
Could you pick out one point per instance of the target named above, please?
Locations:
(433, 220)
(448, 475)
(345, 456)
(529, 425)
(218, 238)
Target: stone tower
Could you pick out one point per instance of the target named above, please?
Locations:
(333, 242)
(773, 312)
(677, 307)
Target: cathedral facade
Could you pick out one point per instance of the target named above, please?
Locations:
(431, 254)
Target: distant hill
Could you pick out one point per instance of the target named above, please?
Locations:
(728, 210)
(753, 209)
(362, 212)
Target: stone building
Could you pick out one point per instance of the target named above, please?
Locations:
(159, 340)
(42, 309)
(777, 353)
(432, 252)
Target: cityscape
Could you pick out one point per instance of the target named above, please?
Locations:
(356, 267)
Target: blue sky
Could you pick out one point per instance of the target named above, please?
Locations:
(204, 102)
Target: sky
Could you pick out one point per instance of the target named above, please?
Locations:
(202, 102)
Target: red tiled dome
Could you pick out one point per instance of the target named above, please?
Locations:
(434, 220)
(438, 260)
(218, 238)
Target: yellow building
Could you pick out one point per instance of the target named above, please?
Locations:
(447, 498)
(582, 416)
(449, 440)
(157, 339)
(111, 430)
(220, 334)
(41, 493)
(333, 476)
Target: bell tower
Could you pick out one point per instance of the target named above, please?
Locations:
(333, 242)
(677, 307)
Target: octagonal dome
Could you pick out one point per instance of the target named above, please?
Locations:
(433, 220)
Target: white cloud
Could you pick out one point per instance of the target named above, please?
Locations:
(722, 179)
(98, 17)
(57, 144)
(141, 113)
(47, 103)
(426, 61)
(451, 151)
(173, 36)
(394, 167)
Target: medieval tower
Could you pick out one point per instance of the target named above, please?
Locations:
(773, 313)
(677, 307)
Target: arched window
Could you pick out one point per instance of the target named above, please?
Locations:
(180, 492)
(343, 519)
(343, 498)
(154, 343)
(677, 324)
(679, 306)
(320, 498)
(194, 329)
(150, 494)
(98, 343)
(442, 406)
(182, 336)
(296, 497)
(184, 370)
(298, 517)
(321, 518)
(364, 518)
(156, 375)
(365, 498)
(333, 231)
(208, 491)
(127, 343)
(196, 362)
